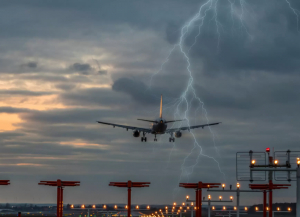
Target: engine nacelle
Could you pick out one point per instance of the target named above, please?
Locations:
(178, 134)
(136, 133)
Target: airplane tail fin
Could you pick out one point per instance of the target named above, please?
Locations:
(160, 111)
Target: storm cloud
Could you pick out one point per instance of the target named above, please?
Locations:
(244, 68)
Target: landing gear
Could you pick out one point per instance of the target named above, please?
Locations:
(155, 138)
(171, 138)
(144, 138)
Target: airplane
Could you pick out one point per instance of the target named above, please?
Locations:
(159, 126)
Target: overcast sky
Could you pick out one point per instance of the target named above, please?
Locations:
(65, 65)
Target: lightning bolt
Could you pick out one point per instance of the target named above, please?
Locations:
(189, 94)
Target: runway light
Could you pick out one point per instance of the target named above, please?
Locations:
(173, 207)
(256, 208)
(234, 208)
(148, 207)
(276, 162)
(188, 207)
(253, 162)
(116, 207)
(278, 209)
(174, 204)
(246, 208)
(231, 197)
(298, 161)
(267, 208)
(213, 208)
(183, 204)
(72, 206)
(195, 208)
(289, 209)
(224, 207)
(220, 197)
(238, 185)
(155, 212)
(184, 210)
(180, 207)
(187, 197)
(82, 206)
(104, 206)
(209, 197)
(94, 206)
(137, 207)
(166, 207)
(223, 186)
(267, 150)
(192, 204)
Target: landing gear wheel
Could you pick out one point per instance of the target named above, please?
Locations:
(142, 139)
(170, 139)
(145, 139)
(155, 139)
(173, 139)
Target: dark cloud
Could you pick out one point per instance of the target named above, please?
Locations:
(249, 82)
(102, 72)
(66, 86)
(93, 96)
(32, 65)
(81, 67)
(24, 92)
(12, 110)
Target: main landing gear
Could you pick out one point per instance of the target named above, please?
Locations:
(171, 139)
(144, 138)
(155, 138)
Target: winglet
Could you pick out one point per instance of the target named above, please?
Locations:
(160, 112)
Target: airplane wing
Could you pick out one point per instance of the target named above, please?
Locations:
(146, 130)
(190, 127)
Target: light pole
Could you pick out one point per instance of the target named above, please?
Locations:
(273, 166)
(209, 201)
(237, 191)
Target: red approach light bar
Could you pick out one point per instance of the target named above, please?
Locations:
(4, 182)
(129, 185)
(268, 188)
(198, 186)
(60, 185)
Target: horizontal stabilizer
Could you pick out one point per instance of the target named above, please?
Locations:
(173, 121)
(147, 120)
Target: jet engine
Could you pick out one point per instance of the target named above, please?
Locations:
(178, 134)
(136, 133)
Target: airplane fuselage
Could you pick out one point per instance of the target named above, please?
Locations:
(159, 127)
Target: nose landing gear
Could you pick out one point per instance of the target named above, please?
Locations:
(155, 138)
